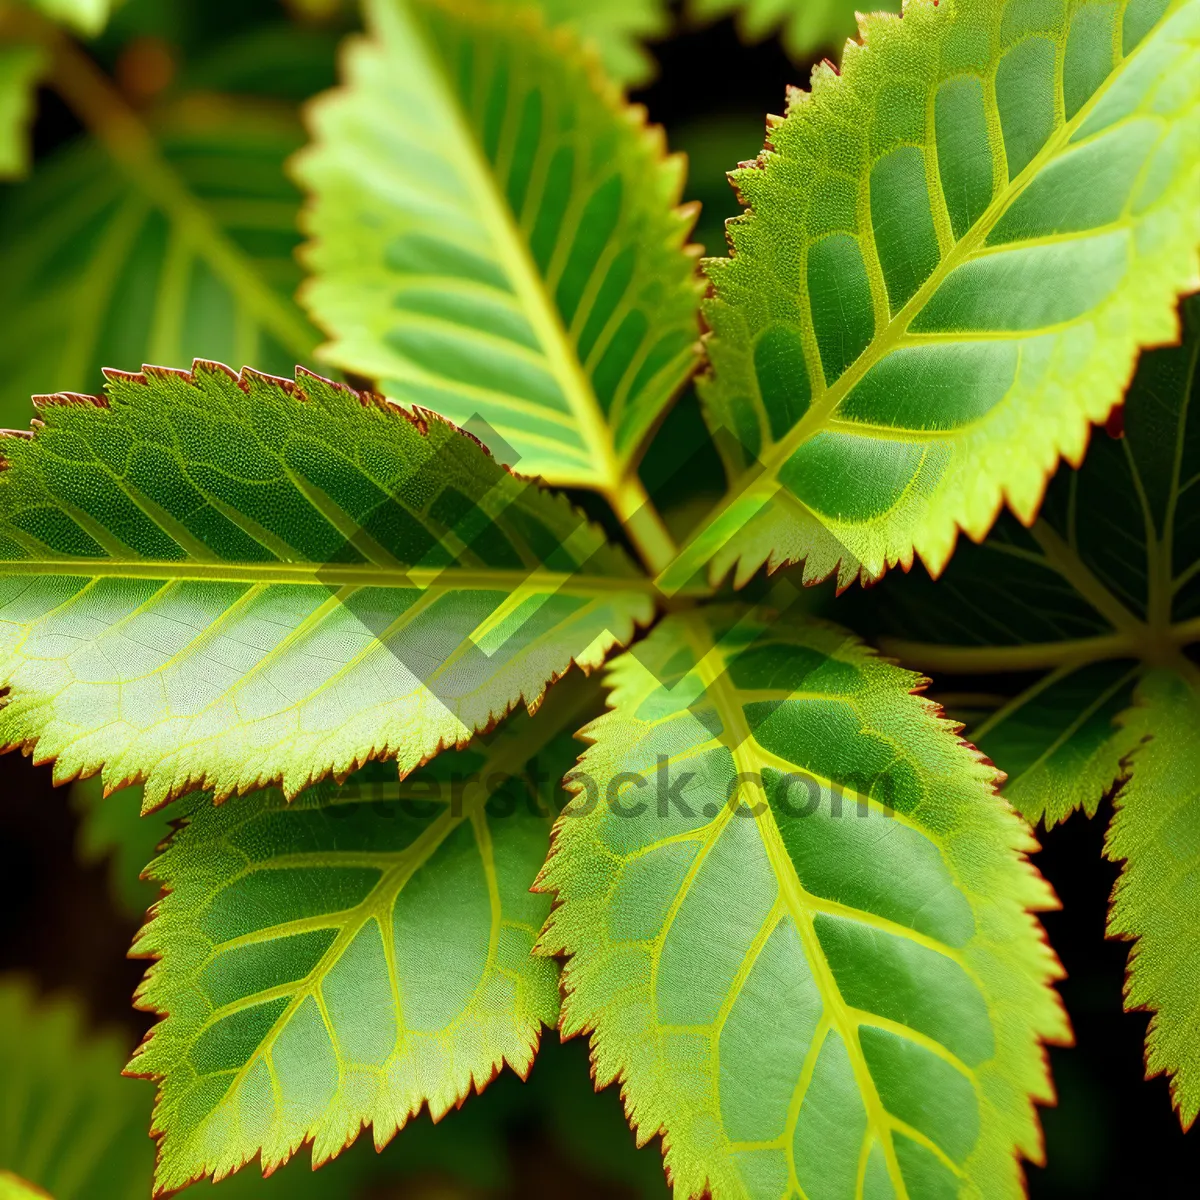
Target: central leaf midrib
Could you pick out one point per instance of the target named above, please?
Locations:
(378, 904)
(763, 477)
(332, 575)
(515, 256)
(724, 699)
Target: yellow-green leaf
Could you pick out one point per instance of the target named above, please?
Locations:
(953, 252)
(497, 238)
(799, 922)
(222, 581)
(1156, 903)
(350, 957)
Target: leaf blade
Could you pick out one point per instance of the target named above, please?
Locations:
(1077, 609)
(914, 357)
(564, 272)
(686, 925)
(397, 1000)
(225, 581)
(86, 239)
(1154, 834)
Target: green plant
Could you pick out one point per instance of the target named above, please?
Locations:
(784, 899)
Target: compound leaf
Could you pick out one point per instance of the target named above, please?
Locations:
(191, 256)
(346, 958)
(20, 66)
(804, 26)
(1156, 830)
(952, 255)
(225, 582)
(799, 921)
(69, 1123)
(497, 238)
(1075, 610)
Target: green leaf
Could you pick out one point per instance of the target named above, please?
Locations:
(1063, 618)
(87, 17)
(1156, 830)
(804, 26)
(346, 958)
(497, 239)
(187, 253)
(616, 30)
(809, 955)
(20, 67)
(230, 581)
(12, 1188)
(953, 253)
(68, 1122)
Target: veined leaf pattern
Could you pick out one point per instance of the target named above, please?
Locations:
(346, 958)
(1104, 587)
(1094, 614)
(798, 921)
(497, 237)
(1156, 832)
(231, 581)
(952, 255)
(188, 254)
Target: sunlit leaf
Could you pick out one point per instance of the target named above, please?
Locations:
(84, 16)
(232, 581)
(1093, 614)
(350, 957)
(1156, 830)
(799, 922)
(1104, 586)
(193, 259)
(497, 237)
(12, 1188)
(953, 253)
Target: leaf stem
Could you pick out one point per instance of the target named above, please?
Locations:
(642, 522)
(1137, 642)
(96, 102)
(987, 660)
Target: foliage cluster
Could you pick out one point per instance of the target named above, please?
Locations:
(345, 632)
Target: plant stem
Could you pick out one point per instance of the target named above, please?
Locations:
(642, 522)
(995, 659)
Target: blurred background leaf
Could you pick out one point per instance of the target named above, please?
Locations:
(72, 1125)
(20, 66)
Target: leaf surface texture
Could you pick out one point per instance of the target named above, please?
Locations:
(231, 581)
(497, 238)
(809, 955)
(346, 958)
(953, 253)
